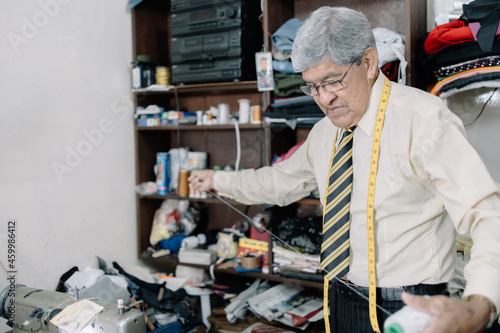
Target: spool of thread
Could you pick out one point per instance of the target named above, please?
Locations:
(250, 262)
(244, 111)
(407, 320)
(183, 185)
(162, 76)
(223, 113)
(256, 114)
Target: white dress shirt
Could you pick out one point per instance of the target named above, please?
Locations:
(430, 183)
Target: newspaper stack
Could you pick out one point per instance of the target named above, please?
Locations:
(291, 260)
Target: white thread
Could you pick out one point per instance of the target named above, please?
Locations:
(302, 255)
(238, 147)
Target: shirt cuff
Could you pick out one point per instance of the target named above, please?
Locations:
(493, 309)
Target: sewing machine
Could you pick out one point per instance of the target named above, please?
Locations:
(31, 310)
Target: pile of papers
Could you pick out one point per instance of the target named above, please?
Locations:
(272, 303)
(291, 260)
(284, 303)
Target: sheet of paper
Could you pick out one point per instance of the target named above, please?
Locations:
(308, 309)
(272, 303)
(174, 284)
(75, 317)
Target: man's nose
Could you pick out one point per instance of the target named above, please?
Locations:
(325, 97)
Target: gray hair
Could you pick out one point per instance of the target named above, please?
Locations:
(336, 33)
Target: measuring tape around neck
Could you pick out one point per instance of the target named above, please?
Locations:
(372, 290)
(379, 123)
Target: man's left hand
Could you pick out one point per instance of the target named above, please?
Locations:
(451, 315)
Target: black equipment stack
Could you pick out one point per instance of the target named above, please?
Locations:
(214, 40)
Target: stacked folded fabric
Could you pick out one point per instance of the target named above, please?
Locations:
(465, 54)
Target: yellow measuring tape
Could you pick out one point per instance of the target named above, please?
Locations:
(372, 284)
(372, 287)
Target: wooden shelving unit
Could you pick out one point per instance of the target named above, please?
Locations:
(151, 36)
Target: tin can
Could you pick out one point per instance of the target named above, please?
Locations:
(162, 169)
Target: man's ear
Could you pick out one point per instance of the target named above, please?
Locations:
(370, 58)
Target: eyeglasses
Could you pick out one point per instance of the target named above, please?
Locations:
(328, 86)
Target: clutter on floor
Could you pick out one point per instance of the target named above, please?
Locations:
(188, 301)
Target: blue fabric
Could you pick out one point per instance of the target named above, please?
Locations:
(240, 269)
(173, 244)
(284, 67)
(283, 38)
(174, 327)
(133, 3)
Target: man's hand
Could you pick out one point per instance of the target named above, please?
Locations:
(202, 180)
(450, 315)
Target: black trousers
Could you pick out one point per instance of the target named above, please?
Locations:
(349, 311)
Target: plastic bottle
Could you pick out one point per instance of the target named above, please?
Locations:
(136, 75)
(407, 320)
(147, 69)
(143, 72)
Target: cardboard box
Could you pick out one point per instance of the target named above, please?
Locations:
(197, 256)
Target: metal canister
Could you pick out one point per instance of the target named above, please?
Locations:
(162, 169)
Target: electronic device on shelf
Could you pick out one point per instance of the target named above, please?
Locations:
(214, 40)
(232, 69)
(223, 44)
(213, 17)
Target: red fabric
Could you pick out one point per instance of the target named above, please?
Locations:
(447, 34)
(254, 234)
(289, 153)
(390, 70)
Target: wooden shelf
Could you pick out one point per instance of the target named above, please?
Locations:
(209, 200)
(272, 277)
(205, 88)
(190, 127)
(309, 201)
(172, 260)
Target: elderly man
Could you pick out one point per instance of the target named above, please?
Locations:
(397, 178)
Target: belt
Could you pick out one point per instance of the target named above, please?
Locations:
(351, 290)
(391, 294)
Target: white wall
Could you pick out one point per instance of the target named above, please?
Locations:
(66, 136)
(481, 127)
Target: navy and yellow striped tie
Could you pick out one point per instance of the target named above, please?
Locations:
(337, 217)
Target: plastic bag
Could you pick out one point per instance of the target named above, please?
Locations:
(166, 222)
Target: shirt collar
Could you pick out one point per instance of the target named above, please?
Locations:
(367, 122)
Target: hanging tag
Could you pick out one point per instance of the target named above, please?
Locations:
(264, 67)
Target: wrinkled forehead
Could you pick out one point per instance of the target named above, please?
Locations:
(324, 70)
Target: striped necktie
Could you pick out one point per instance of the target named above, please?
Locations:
(336, 217)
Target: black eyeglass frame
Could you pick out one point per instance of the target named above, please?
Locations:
(307, 88)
